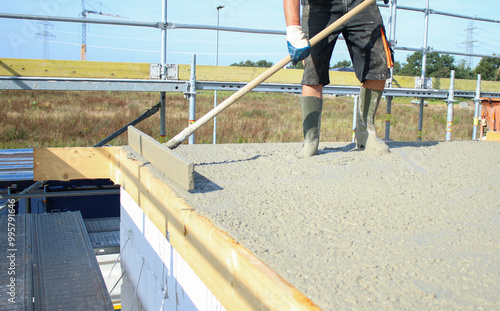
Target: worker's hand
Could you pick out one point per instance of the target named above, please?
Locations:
(386, 1)
(298, 46)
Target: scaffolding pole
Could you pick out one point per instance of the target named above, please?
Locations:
(450, 101)
(477, 102)
(163, 126)
(424, 65)
(392, 43)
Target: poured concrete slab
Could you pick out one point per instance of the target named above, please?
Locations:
(413, 229)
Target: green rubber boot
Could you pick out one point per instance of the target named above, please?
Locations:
(366, 133)
(311, 122)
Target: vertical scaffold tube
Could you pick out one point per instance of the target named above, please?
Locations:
(192, 97)
(450, 101)
(477, 101)
(216, 64)
(163, 125)
(388, 118)
(163, 105)
(392, 43)
(424, 67)
(355, 117)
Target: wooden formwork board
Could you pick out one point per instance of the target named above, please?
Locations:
(71, 163)
(493, 136)
(72, 69)
(176, 167)
(238, 279)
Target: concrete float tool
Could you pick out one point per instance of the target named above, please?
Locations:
(188, 131)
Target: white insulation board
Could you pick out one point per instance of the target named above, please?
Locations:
(156, 276)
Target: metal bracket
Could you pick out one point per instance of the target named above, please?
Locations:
(188, 94)
(172, 72)
(428, 83)
(388, 82)
(155, 71)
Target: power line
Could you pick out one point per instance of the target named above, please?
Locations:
(488, 31)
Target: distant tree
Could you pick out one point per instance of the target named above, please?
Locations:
(463, 71)
(397, 68)
(344, 63)
(413, 65)
(488, 68)
(299, 65)
(440, 66)
(249, 63)
(264, 64)
(437, 65)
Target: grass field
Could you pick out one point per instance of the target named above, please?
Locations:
(33, 119)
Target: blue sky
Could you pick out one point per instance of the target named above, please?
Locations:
(18, 38)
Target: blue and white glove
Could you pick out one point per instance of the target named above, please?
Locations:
(298, 46)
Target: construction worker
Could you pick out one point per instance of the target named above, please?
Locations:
(371, 57)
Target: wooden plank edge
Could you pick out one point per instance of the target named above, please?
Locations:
(20, 67)
(172, 164)
(492, 136)
(233, 274)
(72, 163)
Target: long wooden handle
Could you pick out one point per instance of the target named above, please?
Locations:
(188, 131)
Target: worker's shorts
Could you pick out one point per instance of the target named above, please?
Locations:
(364, 35)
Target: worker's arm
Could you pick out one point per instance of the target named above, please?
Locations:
(292, 12)
(298, 46)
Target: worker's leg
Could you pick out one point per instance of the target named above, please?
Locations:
(366, 133)
(372, 60)
(312, 90)
(316, 16)
(378, 85)
(311, 104)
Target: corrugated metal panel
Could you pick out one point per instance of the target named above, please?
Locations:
(16, 164)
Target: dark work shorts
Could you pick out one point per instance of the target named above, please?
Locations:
(364, 35)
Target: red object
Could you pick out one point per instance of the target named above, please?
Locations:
(491, 113)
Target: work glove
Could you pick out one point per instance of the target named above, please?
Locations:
(386, 1)
(298, 46)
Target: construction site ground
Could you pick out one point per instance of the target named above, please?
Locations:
(417, 228)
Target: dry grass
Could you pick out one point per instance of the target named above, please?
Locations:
(32, 119)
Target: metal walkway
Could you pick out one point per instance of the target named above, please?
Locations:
(55, 266)
(104, 234)
(16, 287)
